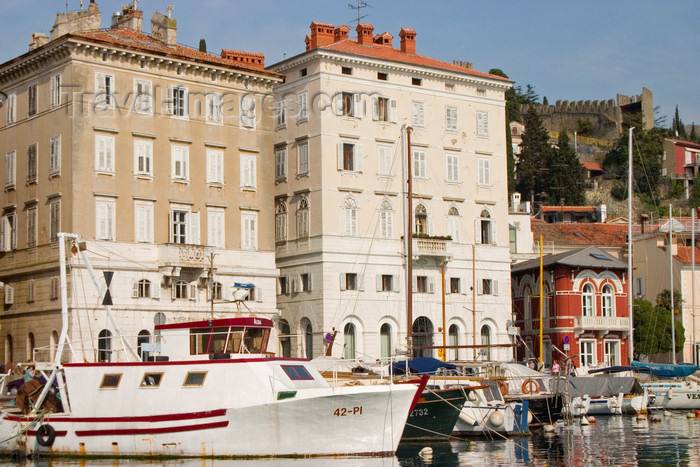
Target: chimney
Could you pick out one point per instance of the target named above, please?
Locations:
(253, 59)
(321, 34)
(76, 21)
(408, 40)
(38, 39)
(128, 18)
(365, 33)
(383, 39)
(341, 33)
(164, 28)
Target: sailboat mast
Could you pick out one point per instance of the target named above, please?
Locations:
(670, 259)
(692, 280)
(630, 282)
(408, 239)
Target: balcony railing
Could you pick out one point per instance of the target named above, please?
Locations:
(430, 247)
(184, 256)
(601, 324)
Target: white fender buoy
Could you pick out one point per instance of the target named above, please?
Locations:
(548, 428)
(584, 421)
(690, 415)
(530, 417)
(468, 419)
(496, 419)
(591, 419)
(426, 453)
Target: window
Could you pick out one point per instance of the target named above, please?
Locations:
(588, 297)
(455, 285)
(453, 222)
(54, 220)
(349, 338)
(350, 217)
(420, 220)
(214, 114)
(110, 381)
(143, 157)
(184, 226)
(104, 352)
(283, 286)
(385, 342)
(9, 300)
(249, 230)
(281, 222)
(419, 164)
(513, 239)
(303, 157)
(608, 301)
(384, 160)
(418, 114)
(346, 70)
(215, 166)
(11, 104)
(216, 292)
(452, 163)
(303, 72)
(180, 162)
(486, 342)
(482, 123)
(416, 81)
(382, 76)
(8, 232)
(297, 372)
(55, 292)
(151, 380)
(280, 114)
(302, 102)
(303, 218)
(486, 229)
(350, 104)
(611, 353)
(143, 100)
(484, 169)
(248, 172)
(453, 339)
(143, 221)
(141, 289)
(10, 169)
(587, 352)
(104, 90)
(450, 118)
(32, 103)
(304, 283)
(386, 220)
(180, 289)
(177, 103)
(248, 112)
(350, 281)
(104, 153)
(387, 283)
(104, 217)
(216, 228)
(383, 109)
(55, 156)
(350, 157)
(489, 287)
(195, 378)
(423, 284)
(32, 163)
(31, 226)
(55, 91)
(281, 164)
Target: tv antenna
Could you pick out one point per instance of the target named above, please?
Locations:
(360, 5)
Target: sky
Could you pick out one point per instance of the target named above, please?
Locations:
(567, 50)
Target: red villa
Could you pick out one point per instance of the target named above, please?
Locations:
(585, 308)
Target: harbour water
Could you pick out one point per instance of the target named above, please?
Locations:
(612, 441)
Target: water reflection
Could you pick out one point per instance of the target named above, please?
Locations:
(612, 441)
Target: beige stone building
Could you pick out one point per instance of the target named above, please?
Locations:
(139, 146)
(339, 198)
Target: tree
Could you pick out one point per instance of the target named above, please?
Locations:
(694, 200)
(530, 96)
(652, 328)
(545, 101)
(584, 127)
(693, 135)
(534, 153)
(678, 128)
(202, 45)
(565, 181)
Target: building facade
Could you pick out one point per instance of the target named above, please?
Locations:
(681, 162)
(139, 146)
(340, 203)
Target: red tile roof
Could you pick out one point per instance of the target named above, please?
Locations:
(593, 166)
(594, 233)
(685, 254)
(687, 144)
(143, 42)
(568, 208)
(384, 52)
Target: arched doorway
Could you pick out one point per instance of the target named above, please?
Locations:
(485, 352)
(285, 340)
(30, 347)
(349, 341)
(144, 337)
(453, 334)
(422, 336)
(386, 345)
(104, 346)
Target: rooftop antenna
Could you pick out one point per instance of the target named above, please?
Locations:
(360, 5)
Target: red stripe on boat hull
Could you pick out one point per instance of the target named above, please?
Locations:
(151, 431)
(146, 418)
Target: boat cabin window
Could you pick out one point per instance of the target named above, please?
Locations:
(254, 340)
(297, 372)
(111, 381)
(195, 378)
(228, 340)
(151, 380)
(492, 392)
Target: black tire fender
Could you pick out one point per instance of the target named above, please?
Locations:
(45, 435)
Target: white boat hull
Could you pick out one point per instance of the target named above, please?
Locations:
(675, 396)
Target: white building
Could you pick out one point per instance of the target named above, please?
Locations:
(340, 206)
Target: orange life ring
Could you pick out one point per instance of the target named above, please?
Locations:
(503, 386)
(530, 386)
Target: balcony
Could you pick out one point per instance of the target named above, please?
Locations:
(177, 255)
(435, 247)
(601, 324)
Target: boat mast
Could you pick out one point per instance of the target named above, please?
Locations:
(541, 298)
(630, 282)
(670, 259)
(408, 237)
(692, 280)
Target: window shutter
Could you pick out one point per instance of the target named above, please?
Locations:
(192, 292)
(340, 156)
(395, 283)
(463, 286)
(379, 282)
(135, 289)
(194, 228)
(359, 158)
(295, 284)
(494, 233)
(9, 294)
(361, 282)
(392, 110)
(170, 101)
(494, 287)
(447, 284)
(343, 282)
(258, 294)
(155, 290)
(477, 230)
(415, 284)
(309, 289)
(359, 107)
(375, 108)
(339, 104)
(278, 289)
(431, 285)
(3, 233)
(431, 226)
(479, 287)
(173, 289)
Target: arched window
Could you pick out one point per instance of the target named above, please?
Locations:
(588, 300)
(386, 220)
(8, 349)
(309, 341)
(53, 345)
(281, 222)
(420, 220)
(144, 337)
(349, 336)
(303, 218)
(285, 340)
(453, 354)
(545, 303)
(486, 234)
(608, 300)
(142, 289)
(385, 338)
(453, 223)
(104, 346)
(180, 289)
(30, 346)
(216, 291)
(527, 307)
(350, 217)
(422, 337)
(485, 352)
